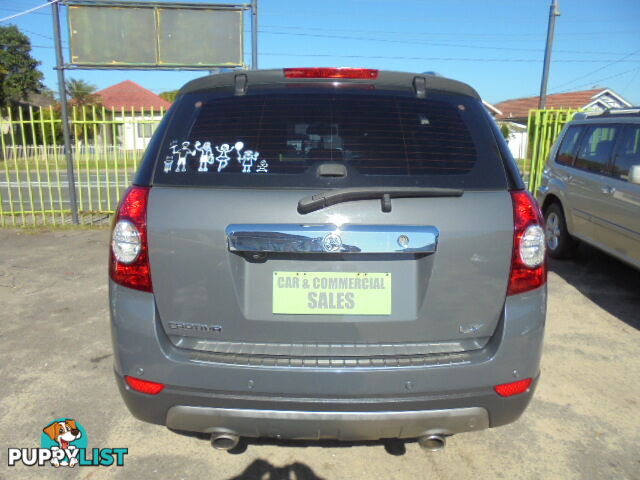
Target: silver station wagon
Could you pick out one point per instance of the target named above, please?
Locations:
(591, 187)
(326, 253)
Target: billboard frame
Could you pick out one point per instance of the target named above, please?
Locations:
(156, 6)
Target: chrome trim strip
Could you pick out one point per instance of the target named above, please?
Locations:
(329, 238)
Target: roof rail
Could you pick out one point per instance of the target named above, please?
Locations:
(621, 110)
(607, 112)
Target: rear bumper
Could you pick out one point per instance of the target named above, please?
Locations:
(314, 403)
(313, 419)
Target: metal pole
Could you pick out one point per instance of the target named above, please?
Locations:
(553, 13)
(254, 34)
(65, 114)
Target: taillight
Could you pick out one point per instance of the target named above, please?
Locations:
(528, 260)
(129, 255)
(144, 386)
(323, 72)
(513, 388)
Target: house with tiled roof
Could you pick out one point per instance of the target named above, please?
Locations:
(515, 113)
(598, 99)
(137, 111)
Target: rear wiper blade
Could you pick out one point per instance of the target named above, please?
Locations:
(340, 195)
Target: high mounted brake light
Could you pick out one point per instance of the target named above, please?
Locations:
(528, 259)
(128, 255)
(322, 72)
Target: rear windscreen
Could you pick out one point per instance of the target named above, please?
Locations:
(280, 138)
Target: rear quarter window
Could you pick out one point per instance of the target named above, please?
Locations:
(279, 138)
(627, 153)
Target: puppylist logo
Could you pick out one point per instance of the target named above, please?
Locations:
(63, 443)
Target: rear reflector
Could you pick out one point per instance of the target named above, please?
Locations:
(513, 388)
(144, 386)
(528, 261)
(129, 255)
(320, 72)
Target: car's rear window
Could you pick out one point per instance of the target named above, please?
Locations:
(280, 138)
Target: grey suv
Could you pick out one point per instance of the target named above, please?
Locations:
(591, 186)
(327, 253)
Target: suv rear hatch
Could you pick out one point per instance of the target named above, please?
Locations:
(244, 262)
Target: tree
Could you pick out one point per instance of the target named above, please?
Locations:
(505, 130)
(45, 98)
(81, 93)
(48, 127)
(169, 96)
(19, 74)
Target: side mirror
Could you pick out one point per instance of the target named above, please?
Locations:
(634, 174)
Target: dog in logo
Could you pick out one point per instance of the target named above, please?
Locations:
(63, 433)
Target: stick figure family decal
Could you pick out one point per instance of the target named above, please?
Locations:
(181, 151)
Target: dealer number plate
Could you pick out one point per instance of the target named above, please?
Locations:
(331, 293)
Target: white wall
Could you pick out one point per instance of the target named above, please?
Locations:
(131, 136)
(518, 144)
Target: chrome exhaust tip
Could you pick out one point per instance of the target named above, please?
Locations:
(224, 440)
(432, 443)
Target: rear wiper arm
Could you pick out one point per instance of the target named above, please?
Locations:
(340, 195)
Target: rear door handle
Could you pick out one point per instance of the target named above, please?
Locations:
(607, 190)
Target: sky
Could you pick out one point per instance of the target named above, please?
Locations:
(496, 46)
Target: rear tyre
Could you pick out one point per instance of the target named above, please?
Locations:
(560, 244)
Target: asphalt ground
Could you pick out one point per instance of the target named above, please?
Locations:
(37, 191)
(56, 361)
